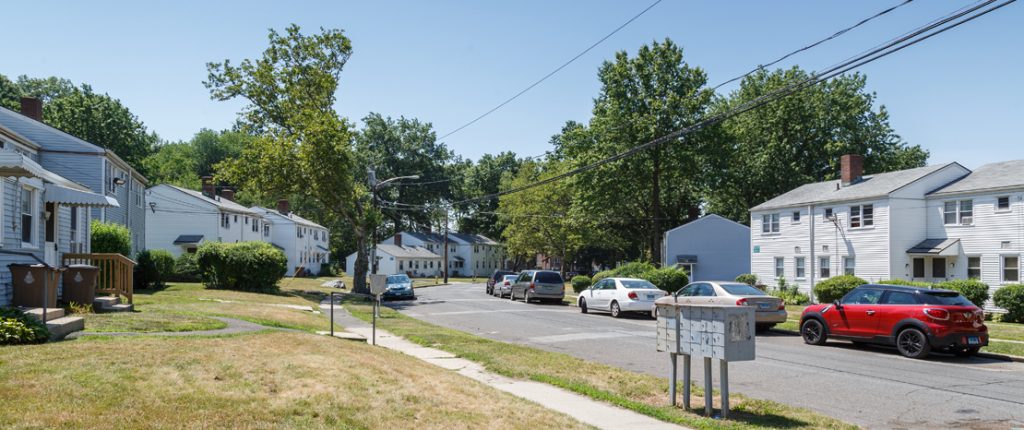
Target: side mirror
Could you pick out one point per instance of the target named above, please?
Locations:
(837, 305)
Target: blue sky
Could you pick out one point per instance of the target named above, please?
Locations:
(959, 95)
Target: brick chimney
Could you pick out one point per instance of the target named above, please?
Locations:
(283, 207)
(32, 108)
(208, 189)
(852, 168)
(228, 193)
(398, 239)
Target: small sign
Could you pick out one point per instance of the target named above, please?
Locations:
(378, 284)
(757, 249)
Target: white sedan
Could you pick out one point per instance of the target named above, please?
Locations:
(618, 295)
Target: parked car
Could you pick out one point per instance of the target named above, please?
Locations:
(768, 310)
(915, 320)
(495, 277)
(504, 286)
(618, 295)
(538, 285)
(399, 287)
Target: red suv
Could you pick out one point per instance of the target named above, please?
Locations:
(915, 320)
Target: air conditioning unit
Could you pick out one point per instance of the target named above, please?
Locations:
(967, 220)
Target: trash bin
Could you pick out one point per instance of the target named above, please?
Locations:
(80, 283)
(28, 281)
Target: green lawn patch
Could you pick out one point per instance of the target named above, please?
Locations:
(148, 322)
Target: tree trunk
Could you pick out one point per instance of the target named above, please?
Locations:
(362, 259)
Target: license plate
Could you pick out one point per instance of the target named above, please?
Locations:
(650, 297)
(763, 306)
(973, 340)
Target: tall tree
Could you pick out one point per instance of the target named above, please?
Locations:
(481, 179)
(184, 163)
(303, 146)
(800, 138)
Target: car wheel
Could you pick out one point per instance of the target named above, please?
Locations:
(616, 312)
(813, 332)
(654, 313)
(512, 295)
(913, 343)
(967, 352)
(762, 328)
(583, 305)
(528, 297)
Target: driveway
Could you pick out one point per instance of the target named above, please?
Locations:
(871, 387)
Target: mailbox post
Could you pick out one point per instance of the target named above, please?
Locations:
(724, 333)
(378, 285)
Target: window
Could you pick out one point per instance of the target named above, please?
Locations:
(255, 226)
(918, 267)
(770, 223)
(27, 216)
(958, 212)
(266, 229)
(862, 216)
(828, 215)
(899, 298)
(973, 267)
(938, 267)
(824, 267)
(1003, 204)
(796, 216)
(225, 220)
(780, 267)
(401, 264)
(849, 263)
(801, 270)
(705, 290)
(74, 229)
(1011, 268)
(863, 296)
(236, 219)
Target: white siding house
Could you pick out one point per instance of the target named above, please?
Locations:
(415, 261)
(180, 219)
(468, 254)
(710, 248)
(304, 242)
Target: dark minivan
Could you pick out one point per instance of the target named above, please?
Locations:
(496, 277)
(544, 285)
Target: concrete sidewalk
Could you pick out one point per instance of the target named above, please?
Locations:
(583, 409)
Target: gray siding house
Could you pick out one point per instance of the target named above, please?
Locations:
(99, 169)
(711, 248)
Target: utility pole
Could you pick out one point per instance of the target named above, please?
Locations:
(445, 244)
(375, 186)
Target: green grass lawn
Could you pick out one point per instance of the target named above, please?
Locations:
(642, 393)
(147, 322)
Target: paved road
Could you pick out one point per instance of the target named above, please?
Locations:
(872, 387)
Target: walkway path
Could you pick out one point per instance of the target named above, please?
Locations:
(584, 409)
(235, 326)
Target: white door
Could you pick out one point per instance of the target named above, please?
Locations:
(50, 243)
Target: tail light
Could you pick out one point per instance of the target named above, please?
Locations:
(532, 286)
(632, 295)
(741, 302)
(936, 313)
(506, 282)
(782, 306)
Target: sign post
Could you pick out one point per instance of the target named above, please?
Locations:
(378, 284)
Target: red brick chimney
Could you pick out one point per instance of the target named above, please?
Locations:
(228, 193)
(398, 239)
(32, 108)
(208, 189)
(852, 168)
(283, 207)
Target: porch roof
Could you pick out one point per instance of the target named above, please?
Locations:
(689, 259)
(940, 247)
(54, 193)
(188, 239)
(57, 189)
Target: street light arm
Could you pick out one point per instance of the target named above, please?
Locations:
(387, 182)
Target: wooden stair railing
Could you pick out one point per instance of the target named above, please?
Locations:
(116, 272)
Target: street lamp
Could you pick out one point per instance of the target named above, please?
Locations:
(374, 188)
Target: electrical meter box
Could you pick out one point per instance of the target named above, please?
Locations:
(711, 331)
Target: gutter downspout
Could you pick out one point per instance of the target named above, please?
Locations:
(814, 261)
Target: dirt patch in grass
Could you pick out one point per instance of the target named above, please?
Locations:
(272, 380)
(148, 322)
(642, 393)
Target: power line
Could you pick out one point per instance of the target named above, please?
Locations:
(559, 68)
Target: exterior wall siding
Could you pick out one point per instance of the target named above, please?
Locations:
(721, 247)
(175, 214)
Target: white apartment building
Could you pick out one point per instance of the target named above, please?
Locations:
(179, 219)
(304, 242)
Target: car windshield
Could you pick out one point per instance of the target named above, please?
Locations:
(742, 290)
(501, 273)
(398, 279)
(949, 298)
(548, 278)
(638, 284)
(510, 278)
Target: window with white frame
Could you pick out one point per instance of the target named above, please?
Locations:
(1011, 268)
(28, 210)
(796, 216)
(255, 225)
(824, 267)
(956, 212)
(828, 215)
(770, 223)
(780, 267)
(974, 267)
(225, 220)
(266, 229)
(1003, 204)
(862, 216)
(849, 265)
(800, 266)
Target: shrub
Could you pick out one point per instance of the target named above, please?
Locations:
(110, 238)
(186, 269)
(153, 267)
(602, 274)
(973, 289)
(633, 270)
(326, 270)
(580, 283)
(747, 278)
(906, 283)
(668, 279)
(243, 266)
(1011, 298)
(836, 287)
(789, 293)
(17, 328)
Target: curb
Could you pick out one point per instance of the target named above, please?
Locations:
(989, 355)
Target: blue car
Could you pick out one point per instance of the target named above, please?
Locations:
(399, 287)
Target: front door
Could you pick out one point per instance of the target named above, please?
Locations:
(50, 245)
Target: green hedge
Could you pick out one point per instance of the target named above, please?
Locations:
(668, 278)
(17, 328)
(633, 270)
(110, 238)
(747, 278)
(243, 266)
(1011, 298)
(836, 287)
(186, 269)
(973, 289)
(153, 268)
(580, 283)
(602, 274)
(906, 283)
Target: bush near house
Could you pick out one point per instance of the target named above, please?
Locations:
(110, 238)
(16, 328)
(668, 278)
(836, 287)
(602, 274)
(633, 270)
(1011, 298)
(153, 268)
(580, 283)
(906, 283)
(326, 270)
(789, 293)
(186, 269)
(243, 266)
(747, 278)
(973, 289)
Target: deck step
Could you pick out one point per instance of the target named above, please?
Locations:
(123, 307)
(37, 313)
(100, 304)
(63, 326)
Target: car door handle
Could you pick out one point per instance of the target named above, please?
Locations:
(870, 312)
